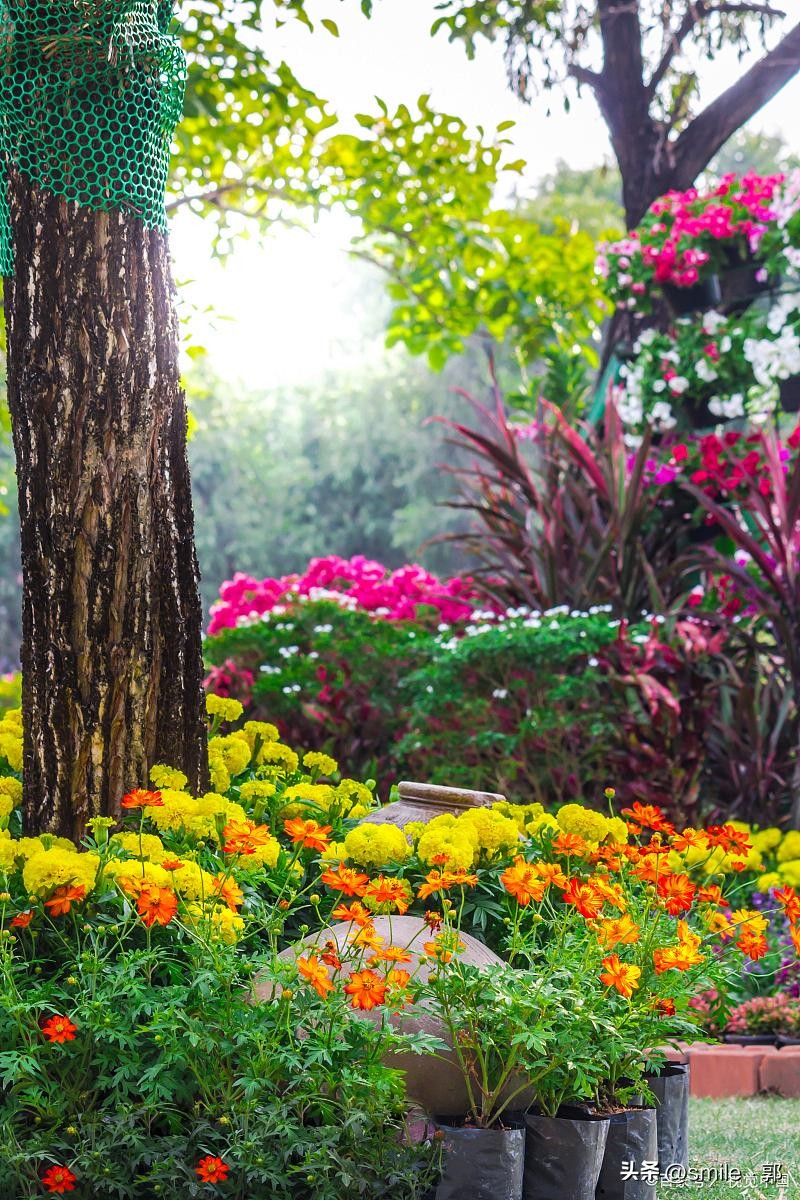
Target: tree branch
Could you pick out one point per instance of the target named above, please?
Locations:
(701, 140)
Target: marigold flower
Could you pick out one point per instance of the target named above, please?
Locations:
(622, 976)
(316, 974)
(22, 920)
(354, 912)
(680, 957)
(58, 1180)
(59, 1029)
(523, 882)
(677, 892)
(307, 833)
(388, 891)
(156, 905)
(366, 989)
(570, 845)
(750, 919)
(212, 1169)
(139, 798)
(346, 880)
(63, 898)
(584, 897)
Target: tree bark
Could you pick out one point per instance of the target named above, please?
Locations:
(111, 653)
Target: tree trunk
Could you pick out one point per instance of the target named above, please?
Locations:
(111, 651)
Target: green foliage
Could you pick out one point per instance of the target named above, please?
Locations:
(459, 265)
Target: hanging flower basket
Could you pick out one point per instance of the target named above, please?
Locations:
(697, 298)
(790, 394)
(741, 284)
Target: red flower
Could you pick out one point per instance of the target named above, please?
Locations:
(212, 1169)
(139, 798)
(59, 1029)
(22, 920)
(59, 1179)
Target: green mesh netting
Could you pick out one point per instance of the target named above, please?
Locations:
(90, 94)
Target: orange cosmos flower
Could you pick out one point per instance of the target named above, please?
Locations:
(139, 798)
(59, 1029)
(228, 890)
(666, 1006)
(172, 864)
(612, 893)
(156, 905)
(794, 933)
(394, 954)
(789, 901)
(750, 919)
(609, 856)
(366, 989)
(345, 880)
(63, 899)
(461, 877)
(570, 844)
(316, 974)
(523, 882)
(718, 922)
(622, 929)
(22, 920)
(244, 837)
(309, 834)
(677, 892)
(443, 947)
(387, 891)
(551, 873)
(754, 945)
(647, 816)
(435, 881)
(712, 894)
(354, 912)
(584, 897)
(330, 956)
(650, 869)
(212, 1169)
(731, 840)
(622, 976)
(58, 1180)
(397, 978)
(677, 958)
(689, 838)
(368, 938)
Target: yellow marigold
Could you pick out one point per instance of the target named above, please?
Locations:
(210, 809)
(256, 789)
(790, 872)
(262, 856)
(496, 833)
(216, 923)
(770, 880)
(162, 776)
(50, 868)
(262, 729)
(320, 794)
(335, 852)
(192, 881)
(376, 846)
(219, 706)
(590, 825)
(220, 775)
(349, 794)
(789, 848)
(617, 830)
(28, 846)
(323, 764)
(449, 848)
(414, 830)
(276, 755)
(753, 860)
(11, 787)
(128, 874)
(766, 839)
(543, 821)
(8, 852)
(176, 812)
(11, 748)
(13, 718)
(234, 750)
(6, 806)
(152, 846)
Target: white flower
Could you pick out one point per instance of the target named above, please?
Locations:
(705, 371)
(661, 415)
(678, 385)
(713, 321)
(659, 385)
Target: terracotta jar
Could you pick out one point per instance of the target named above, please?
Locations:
(424, 801)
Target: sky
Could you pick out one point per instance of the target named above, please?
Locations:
(284, 307)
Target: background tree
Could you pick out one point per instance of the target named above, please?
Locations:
(641, 61)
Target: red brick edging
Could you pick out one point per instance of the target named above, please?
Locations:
(717, 1071)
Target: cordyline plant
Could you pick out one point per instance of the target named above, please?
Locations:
(569, 522)
(764, 526)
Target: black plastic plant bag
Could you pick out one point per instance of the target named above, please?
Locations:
(481, 1164)
(671, 1090)
(563, 1157)
(630, 1163)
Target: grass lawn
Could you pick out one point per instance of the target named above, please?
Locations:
(749, 1134)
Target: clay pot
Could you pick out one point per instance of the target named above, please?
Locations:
(434, 1083)
(424, 801)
